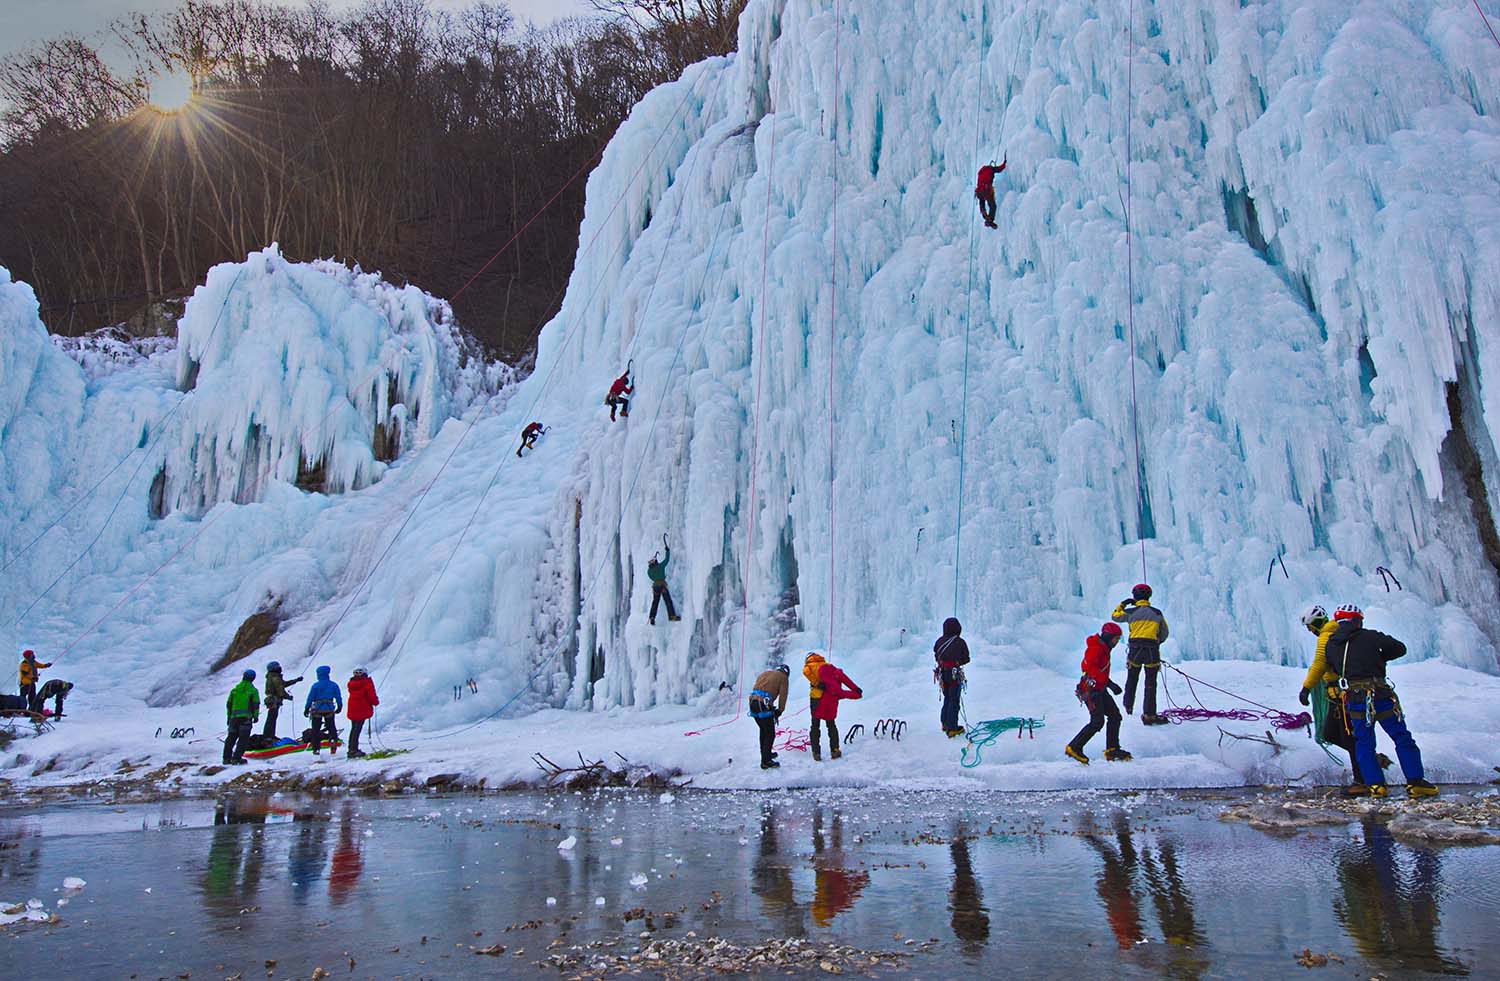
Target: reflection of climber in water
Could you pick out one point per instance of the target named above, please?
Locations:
(771, 881)
(971, 918)
(348, 860)
(1122, 867)
(1392, 917)
(835, 888)
(231, 878)
(309, 855)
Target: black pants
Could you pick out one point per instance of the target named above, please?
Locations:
(660, 592)
(1143, 655)
(952, 698)
(356, 726)
(986, 206)
(323, 722)
(527, 442)
(1102, 711)
(620, 402)
(28, 692)
(816, 738)
(273, 708)
(236, 738)
(765, 720)
(1337, 733)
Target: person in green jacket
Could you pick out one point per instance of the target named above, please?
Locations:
(242, 709)
(276, 694)
(656, 571)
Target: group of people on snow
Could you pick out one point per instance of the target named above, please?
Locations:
(325, 700)
(34, 695)
(827, 685)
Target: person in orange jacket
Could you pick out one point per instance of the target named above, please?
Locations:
(831, 687)
(361, 706)
(29, 673)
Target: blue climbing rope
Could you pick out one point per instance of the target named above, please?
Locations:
(982, 734)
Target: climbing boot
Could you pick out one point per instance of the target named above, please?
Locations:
(773, 765)
(835, 754)
(1379, 790)
(1356, 790)
(1075, 754)
(954, 733)
(1420, 788)
(1154, 720)
(817, 756)
(674, 619)
(1117, 756)
(651, 620)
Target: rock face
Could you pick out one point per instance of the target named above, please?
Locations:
(258, 630)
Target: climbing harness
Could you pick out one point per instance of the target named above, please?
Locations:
(1179, 714)
(982, 734)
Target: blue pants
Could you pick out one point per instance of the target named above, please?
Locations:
(1394, 726)
(952, 696)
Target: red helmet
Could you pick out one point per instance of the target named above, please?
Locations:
(1348, 612)
(1110, 631)
(1140, 591)
(29, 655)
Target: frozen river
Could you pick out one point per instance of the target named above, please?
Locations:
(1020, 885)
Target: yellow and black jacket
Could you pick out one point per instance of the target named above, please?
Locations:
(1147, 626)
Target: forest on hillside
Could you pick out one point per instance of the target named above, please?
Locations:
(412, 140)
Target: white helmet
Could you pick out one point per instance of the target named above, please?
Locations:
(1314, 614)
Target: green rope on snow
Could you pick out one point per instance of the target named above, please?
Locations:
(983, 733)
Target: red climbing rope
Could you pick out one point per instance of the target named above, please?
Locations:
(795, 740)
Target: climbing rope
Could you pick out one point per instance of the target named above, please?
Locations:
(1135, 412)
(1180, 714)
(1487, 23)
(833, 302)
(982, 734)
(795, 740)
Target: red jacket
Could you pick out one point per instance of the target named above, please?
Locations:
(836, 686)
(621, 386)
(1096, 661)
(987, 178)
(362, 698)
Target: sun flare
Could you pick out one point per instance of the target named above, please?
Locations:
(171, 92)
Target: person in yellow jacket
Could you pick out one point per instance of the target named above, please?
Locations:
(29, 673)
(1148, 631)
(1321, 684)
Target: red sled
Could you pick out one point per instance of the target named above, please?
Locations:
(266, 754)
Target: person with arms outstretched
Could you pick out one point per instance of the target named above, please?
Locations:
(656, 571)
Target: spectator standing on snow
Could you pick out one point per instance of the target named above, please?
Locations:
(984, 190)
(324, 701)
(619, 396)
(951, 654)
(827, 687)
(1093, 691)
(241, 709)
(767, 702)
(362, 702)
(656, 571)
(29, 671)
(1148, 631)
(276, 694)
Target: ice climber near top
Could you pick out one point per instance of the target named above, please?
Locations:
(1093, 691)
(1359, 656)
(951, 654)
(767, 702)
(529, 435)
(656, 571)
(324, 701)
(827, 686)
(1320, 690)
(1148, 631)
(28, 672)
(362, 702)
(241, 710)
(276, 693)
(984, 190)
(619, 396)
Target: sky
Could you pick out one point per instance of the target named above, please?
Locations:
(25, 21)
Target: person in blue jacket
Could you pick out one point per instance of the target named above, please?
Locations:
(324, 701)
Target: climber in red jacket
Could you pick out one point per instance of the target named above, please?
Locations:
(1094, 692)
(619, 396)
(984, 190)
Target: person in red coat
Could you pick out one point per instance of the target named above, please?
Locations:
(984, 190)
(361, 701)
(836, 687)
(1094, 692)
(619, 396)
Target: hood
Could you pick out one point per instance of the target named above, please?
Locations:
(813, 659)
(951, 627)
(323, 673)
(1346, 629)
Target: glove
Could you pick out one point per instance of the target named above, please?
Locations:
(1115, 688)
(1127, 603)
(307, 713)
(1304, 696)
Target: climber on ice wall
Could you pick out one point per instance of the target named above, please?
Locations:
(1148, 631)
(529, 436)
(619, 396)
(984, 190)
(656, 571)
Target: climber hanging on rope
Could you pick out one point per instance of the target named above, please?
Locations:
(984, 190)
(951, 654)
(1320, 691)
(1093, 692)
(656, 571)
(529, 436)
(1148, 631)
(619, 396)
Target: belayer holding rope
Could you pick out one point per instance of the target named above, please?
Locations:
(951, 654)
(619, 396)
(276, 695)
(529, 436)
(1320, 691)
(1093, 691)
(767, 702)
(656, 571)
(984, 190)
(1360, 656)
(827, 686)
(28, 673)
(1148, 631)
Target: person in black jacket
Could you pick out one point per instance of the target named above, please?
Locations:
(1359, 657)
(951, 654)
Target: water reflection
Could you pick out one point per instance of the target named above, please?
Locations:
(970, 917)
(771, 879)
(1125, 871)
(236, 853)
(836, 887)
(309, 856)
(20, 851)
(1391, 914)
(348, 857)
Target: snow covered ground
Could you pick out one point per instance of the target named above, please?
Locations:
(827, 346)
